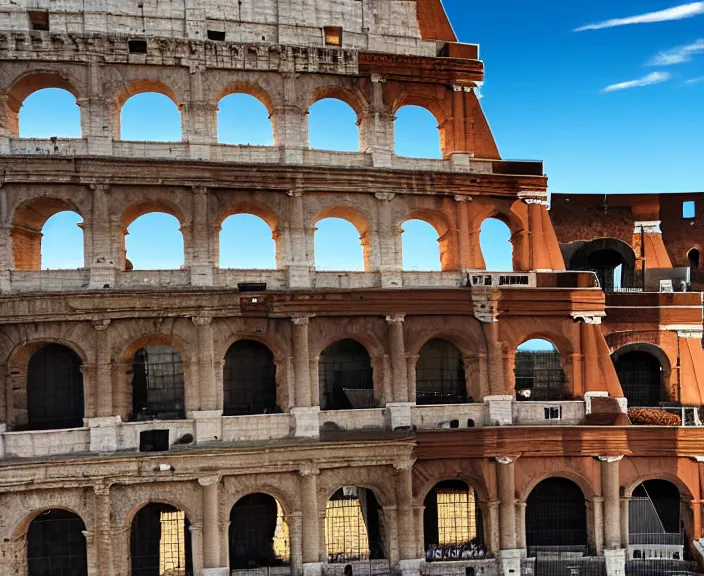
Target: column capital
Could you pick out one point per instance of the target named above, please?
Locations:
(199, 189)
(647, 227)
(202, 320)
(404, 465)
(102, 489)
(308, 469)
(610, 459)
(99, 187)
(539, 197)
(395, 319)
(385, 196)
(593, 318)
(378, 79)
(101, 324)
(209, 481)
(506, 459)
(462, 198)
(301, 319)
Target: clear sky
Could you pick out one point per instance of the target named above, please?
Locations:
(609, 93)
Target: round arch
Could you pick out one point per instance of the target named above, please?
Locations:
(142, 86)
(466, 345)
(350, 96)
(442, 227)
(643, 370)
(346, 376)
(57, 537)
(276, 493)
(355, 217)
(673, 479)
(440, 374)
(161, 500)
(154, 339)
(134, 211)
(250, 89)
(433, 105)
(587, 489)
(22, 526)
(540, 374)
(258, 209)
(249, 379)
(274, 344)
(604, 256)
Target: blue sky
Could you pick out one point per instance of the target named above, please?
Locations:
(613, 108)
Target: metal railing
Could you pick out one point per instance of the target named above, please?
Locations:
(656, 539)
(653, 567)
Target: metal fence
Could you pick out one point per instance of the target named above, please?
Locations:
(567, 563)
(539, 376)
(653, 567)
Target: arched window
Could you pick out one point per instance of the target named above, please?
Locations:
(54, 389)
(556, 516)
(496, 246)
(612, 260)
(51, 112)
(346, 379)
(452, 523)
(354, 528)
(244, 120)
(62, 242)
(246, 243)
(332, 125)
(150, 117)
(160, 542)
(259, 534)
(249, 379)
(641, 375)
(416, 133)
(154, 242)
(420, 249)
(338, 246)
(440, 377)
(56, 545)
(694, 261)
(654, 516)
(157, 384)
(539, 373)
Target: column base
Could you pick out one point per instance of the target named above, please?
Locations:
(216, 571)
(510, 564)
(208, 425)
(398, 415)
(306, 422)
(615, 562)
(104, 433)
(499, 410)
(313, 568)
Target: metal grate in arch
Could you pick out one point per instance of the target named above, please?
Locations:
(249, 379)
(158, 384)
(440, 377)
(56, 545)
(539, 376)
(345, 375)
(641, 378)
(353, 526)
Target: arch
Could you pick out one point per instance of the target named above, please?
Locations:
(440, 375)
(55, 397)
(142, 86)
(346, 378)
(655, 517)
(62, 242)
(643, 370)
(244, 119)
(335, 228)
(495, 242)
(682, 488)
(158, 387)
(249, 379)
(538, 370)
(259, 534)
(612, 260)
(50, 113)
(149, 93)
(417, 132)
(452, 522)
(56, 544)
(354, 526)
(556, 515)
(441, 227)
(160, 541)
(351, 97)
(28, 222)
(247, 234)
(28, 84)
(333, 124)
(694, 257)
(248, 89)
(136, 211)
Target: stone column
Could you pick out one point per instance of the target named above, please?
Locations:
(305, 414)
(103, 260)
(211, 527)
(510, 555)
(103, 529)
(611, 492)
(295, 526)
(290, 121)
(376, 130)
(521, 526)
(624, 522)
(6, 256)
(308, 486)
(404, 510)
(299, 264)
(104, 426)
(201, 264)
(597, 506)
(389, 258)
(411, 362)
(208, 423)
(398, 413)
(464, 255)
(96, 121)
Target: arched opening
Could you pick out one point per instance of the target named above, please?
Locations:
(496, 246)
(641, 375)
(54, 389)
(655, 527)
(538, 372)
(346, 377)
(416, 133)
(154, 242)
(249, 379)
(158, 384)
(62, 242)
(556, 517)
(354, 526)
(246, 243)
(440, 376)
(150, 117)
(259, 534)
(420, 246)
(694, 262)
(160, 542)
(244, 120)
(332, 125)
(452, 523)
(56, 545)
(338, 246)
(612, 260)
(48, 113)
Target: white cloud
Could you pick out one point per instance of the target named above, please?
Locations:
(653, 78)
(676, 13)
(678, 55)
(695, 80)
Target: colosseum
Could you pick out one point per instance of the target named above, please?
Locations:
(209, 421)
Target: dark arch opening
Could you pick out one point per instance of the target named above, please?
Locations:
(259, 535)
(440, 376)
(56, 545)
(54, 389)
(641, 376)
(354, 526)
(158, 384)
(654, 509)
(160, 542)
(249, 379)
(612, 260)
(694, 261)
(556, 516)
(538, 372)
(452, 523)
(346, 378)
